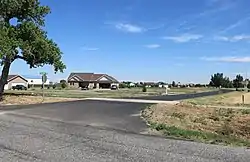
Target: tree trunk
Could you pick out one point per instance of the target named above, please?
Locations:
(4, 77)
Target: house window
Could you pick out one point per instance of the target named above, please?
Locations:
(71, 83)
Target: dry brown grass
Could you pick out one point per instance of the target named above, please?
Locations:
(219, 121)
(25, 100)
(236, 98)
(228, 99)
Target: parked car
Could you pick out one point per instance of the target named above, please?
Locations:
(114, 87)
(19, 87)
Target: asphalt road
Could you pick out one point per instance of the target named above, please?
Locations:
(96, 131)
(112, 115)
(184, 96)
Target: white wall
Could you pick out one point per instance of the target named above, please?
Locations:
(37, 82)
(6, 86)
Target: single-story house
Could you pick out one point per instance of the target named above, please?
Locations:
(149, 84)
(36, 81)
(14, 80)
(91, 80)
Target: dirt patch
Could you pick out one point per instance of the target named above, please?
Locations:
(25, 100)
(224, 122)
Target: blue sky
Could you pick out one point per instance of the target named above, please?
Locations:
(149, 40)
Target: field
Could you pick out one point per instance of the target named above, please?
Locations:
(90, 93)
(34, 96)
(226, 99)
(189, 90)
(121, 93)
(208, 125)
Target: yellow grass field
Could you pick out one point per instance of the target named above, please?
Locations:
(227, 99)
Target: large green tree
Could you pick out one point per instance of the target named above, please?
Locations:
(227, 83)
(238, 81)
(217, 80)
(22, 36)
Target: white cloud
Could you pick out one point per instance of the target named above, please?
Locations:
(126, 27)
(184, 38)
(236, 24)
(153, 46)
(228, 59)
(235, 38)
(221, 38)
(89, 49)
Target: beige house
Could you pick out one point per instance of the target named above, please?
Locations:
(14, 80)
(91, 80)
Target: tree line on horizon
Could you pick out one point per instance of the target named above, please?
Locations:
(219, 80)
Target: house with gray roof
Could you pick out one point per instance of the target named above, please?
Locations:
(91, 80)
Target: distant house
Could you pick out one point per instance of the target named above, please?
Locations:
(149, 84)
(91, 80)
(161, 84)
(14, 80)
(36, 81)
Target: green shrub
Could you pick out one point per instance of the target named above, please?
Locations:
(144, 89)
(122, 85)
(63, 85)
(160, 127)
(245, 111)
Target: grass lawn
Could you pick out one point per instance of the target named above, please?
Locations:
(226, 99)
(208, 125)
(34, 96)
(189, 90)
(121, 93)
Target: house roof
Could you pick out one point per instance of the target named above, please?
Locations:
(149, 83)
(91, 76)
(11, 77)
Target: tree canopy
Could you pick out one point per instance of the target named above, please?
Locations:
(22, 36)
(238, 81)
(217, 80)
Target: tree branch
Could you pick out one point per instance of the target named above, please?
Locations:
(18, 57)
